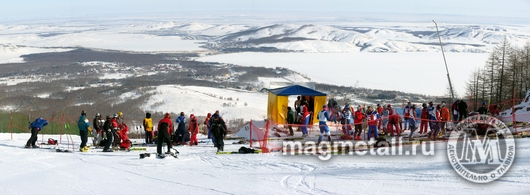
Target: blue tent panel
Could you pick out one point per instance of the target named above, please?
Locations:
(296, 90)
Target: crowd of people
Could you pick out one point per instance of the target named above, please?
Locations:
(111, 133)
(431, 120)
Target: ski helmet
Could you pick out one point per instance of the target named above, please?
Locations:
(120, 113)
(115, 116)
(98, 114)
(484, 103)
(424, 105)
(83, 113)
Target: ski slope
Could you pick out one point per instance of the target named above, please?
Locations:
(198, 170)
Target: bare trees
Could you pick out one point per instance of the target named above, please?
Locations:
(504, 76)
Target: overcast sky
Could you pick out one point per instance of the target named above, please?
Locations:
(75, 8)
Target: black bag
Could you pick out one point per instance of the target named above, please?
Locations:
(245, 150)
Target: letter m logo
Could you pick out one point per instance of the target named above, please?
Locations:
(477, 152)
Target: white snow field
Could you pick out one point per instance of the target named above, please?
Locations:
(412, 72)
(202, 100)
(198, 170)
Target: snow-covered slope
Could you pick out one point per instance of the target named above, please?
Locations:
(198, 170)
(203, 100)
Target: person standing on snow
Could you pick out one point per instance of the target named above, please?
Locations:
(434, 118)
(305, 118)
(386, 114)
(180, 134)
(406, 114)
(462, 110)
(165, 126)
(290, 120)
(219, 130)
(445, 117)
(97, 131)
(358, 120)
(323, 116)
(35, 126)
(207, 124)
(380, 112)
(455, 112)
(148, 128)
(346, 118)
(84, 126)
(115, 129)
(412, 121)
(194, 130)
(107, 127)
(424, 119)
(297, 105)
(373, 119)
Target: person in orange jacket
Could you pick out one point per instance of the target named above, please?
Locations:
(194, 130)
(445, 117)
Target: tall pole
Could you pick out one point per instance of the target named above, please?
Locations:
(446, 69)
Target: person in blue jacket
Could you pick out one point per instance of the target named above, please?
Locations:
(180, 134)
(323, 116)
(36, 126)
(84, 127)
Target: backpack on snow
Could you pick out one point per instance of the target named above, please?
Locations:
(245, 150)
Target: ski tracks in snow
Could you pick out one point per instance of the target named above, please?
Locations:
(302, 182)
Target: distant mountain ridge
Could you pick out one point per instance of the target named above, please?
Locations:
(420, 37)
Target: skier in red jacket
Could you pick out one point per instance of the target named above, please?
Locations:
(424, 119)
(394, 121)
(380, 112)
(194, 130)
(164, 130)
(358, 120)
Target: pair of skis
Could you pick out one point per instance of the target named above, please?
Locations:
(173, 153)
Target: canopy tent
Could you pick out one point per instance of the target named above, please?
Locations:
(278, 101)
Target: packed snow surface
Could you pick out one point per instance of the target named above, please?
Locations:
(199, 170)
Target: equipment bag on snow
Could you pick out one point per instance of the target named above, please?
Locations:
(245, 150)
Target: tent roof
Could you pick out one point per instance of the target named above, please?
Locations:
(296, 90)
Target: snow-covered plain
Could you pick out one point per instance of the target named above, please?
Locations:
(198, 170)
(413, 72)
